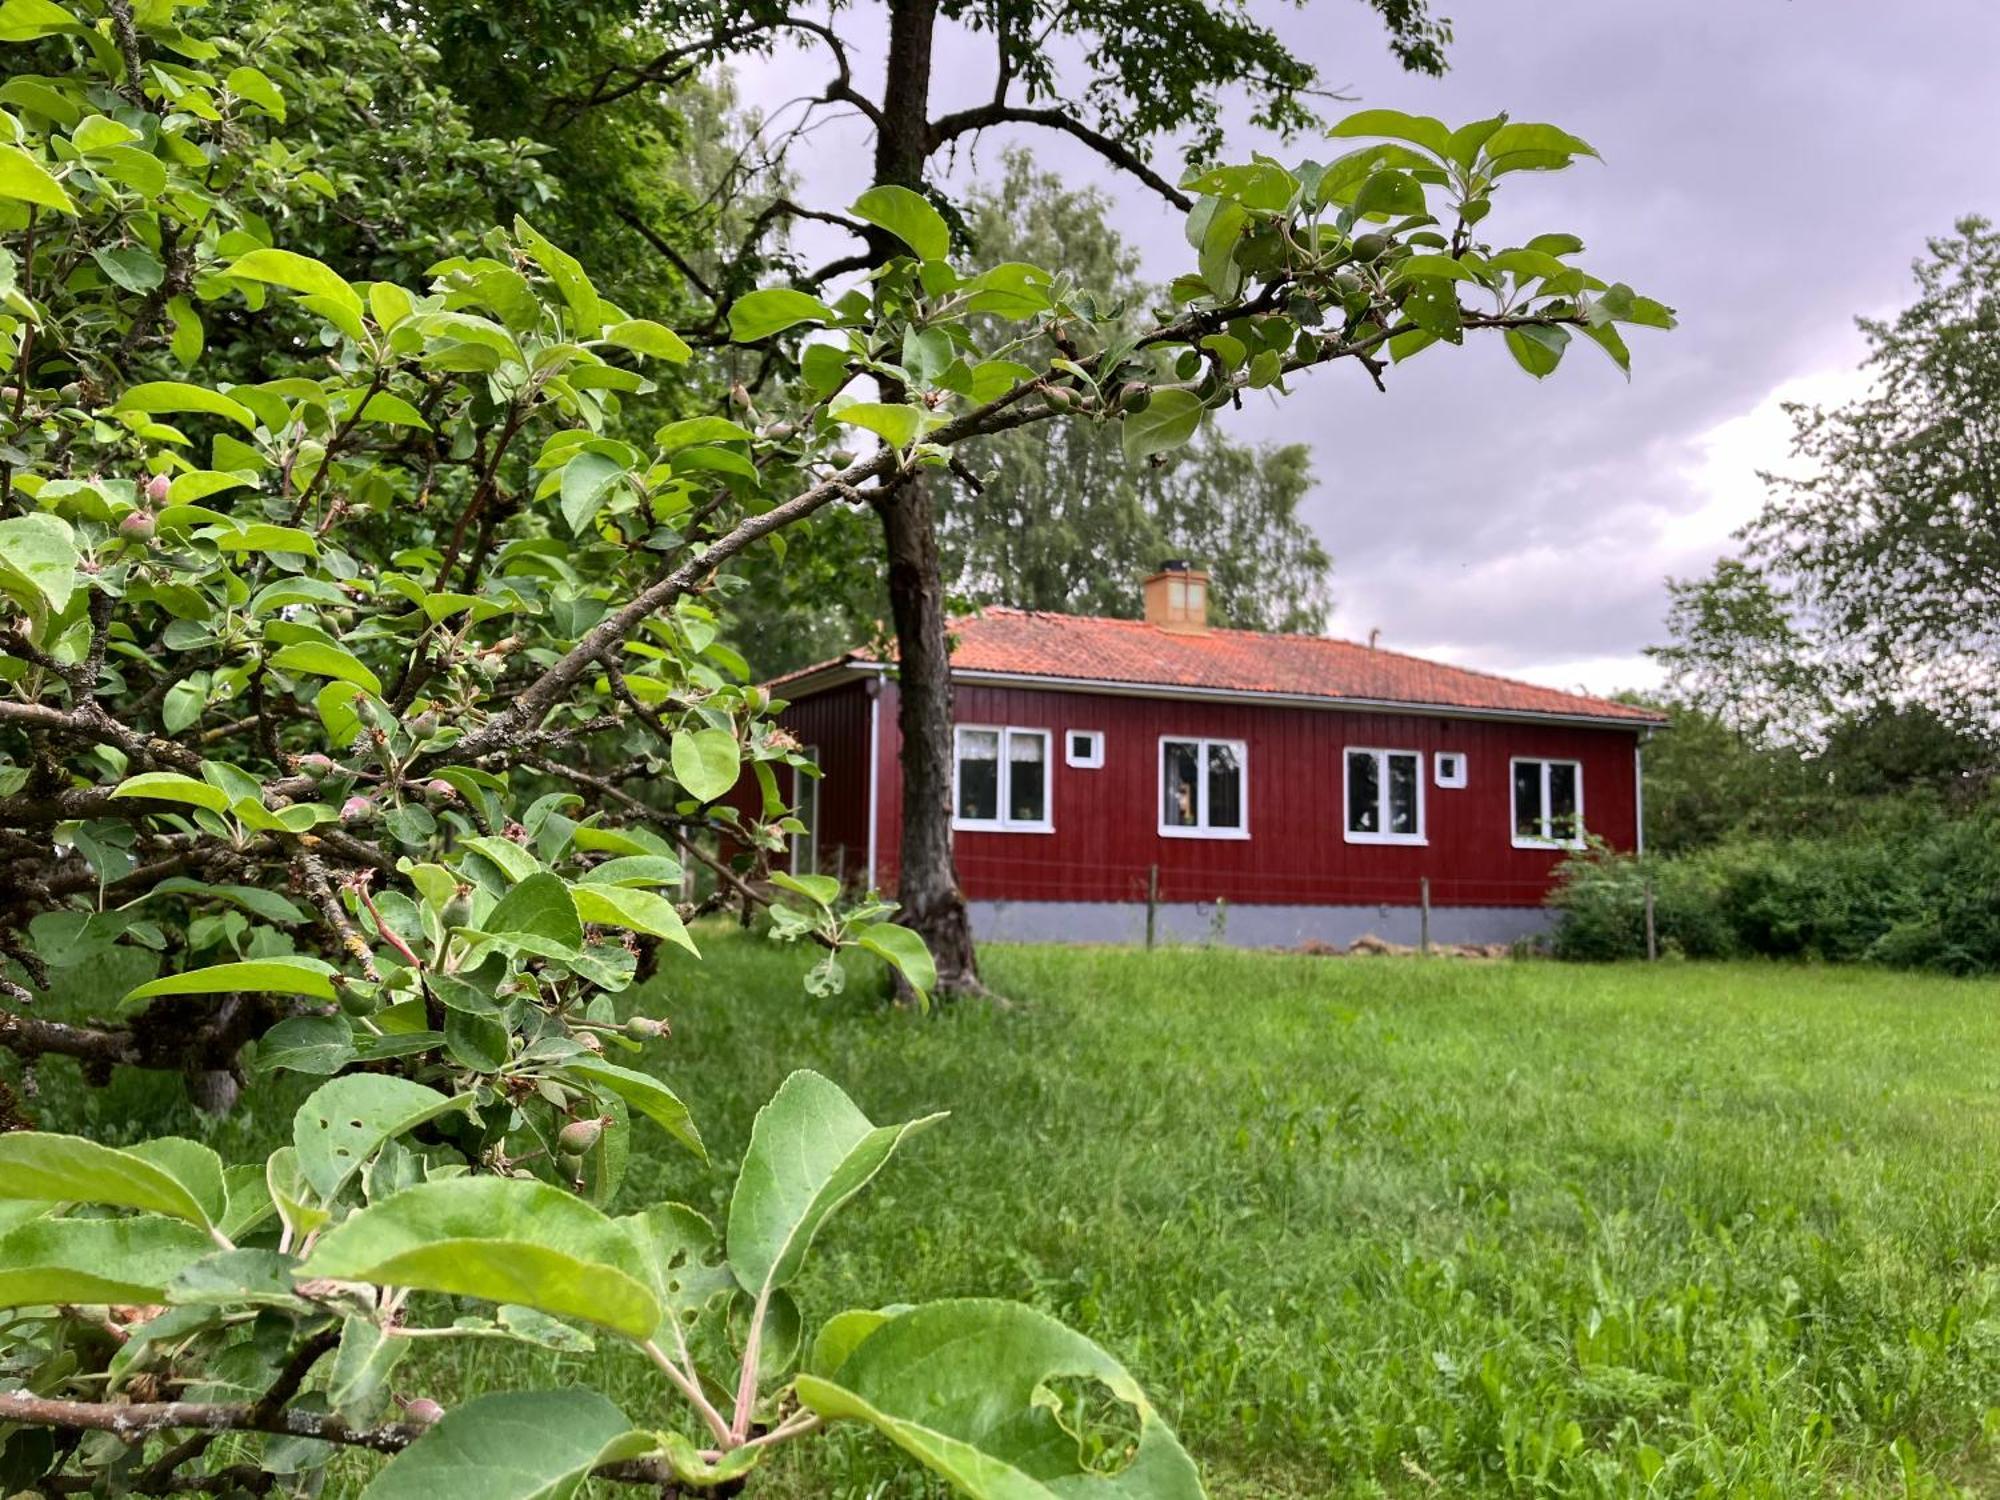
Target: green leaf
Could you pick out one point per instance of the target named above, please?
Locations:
(643, 336)
(25, 180)
(40, 552)
(498, 1239)
(1514, 148)
(362, 1362)
(155, 396)
(248, 83)
(1390, 192)
(821, 890)
(393, 411)
(289, 975)
(772, 309)
(513, 1445)
(132, 267)
(907, 215)
(810, 1151)
(321, 660)
(647, 1095)
(31, 20)
(680, 1261)
(1169, 419)
(67, 1168)
(230, 1278)
(307, 1044)
(298, 273)
(641, 911)
(965, 1388)
(191, 1164)
(540, 907)
(586, 479)
(1419, 130)
(903, 948)
(96, 1261)
(1537, 349)
(896, 424)
(706, 762)
(171, 786)
(345, 1122)
(1612, 343)
(566, 271)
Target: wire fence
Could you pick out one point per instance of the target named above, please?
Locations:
(1177, 881)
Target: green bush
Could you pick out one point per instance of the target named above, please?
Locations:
(1911, 887)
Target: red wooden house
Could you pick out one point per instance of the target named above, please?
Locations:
(1267, 788)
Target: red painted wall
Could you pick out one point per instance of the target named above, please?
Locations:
(1107, 836)
(835, 722)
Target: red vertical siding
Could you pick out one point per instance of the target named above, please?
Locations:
(835, 723)
(1107, 838)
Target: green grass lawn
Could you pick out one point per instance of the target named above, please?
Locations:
(1370, 1227)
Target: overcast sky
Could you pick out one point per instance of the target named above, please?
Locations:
(1770, 168)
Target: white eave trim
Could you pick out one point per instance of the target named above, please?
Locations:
(819, 679)
(1177, 692)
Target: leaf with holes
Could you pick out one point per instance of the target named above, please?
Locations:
(343, 1123)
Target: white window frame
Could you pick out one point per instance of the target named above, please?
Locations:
(808, 842)
(1091, 761)
(1200, 828)
(1453, 783)
(1514, 822)
(1382, 754)
(1003, 823)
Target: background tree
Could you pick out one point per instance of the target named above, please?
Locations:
(1873, 575)
(1059, 519)
(1140, 79)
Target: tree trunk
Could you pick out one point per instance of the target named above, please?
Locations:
(933, 905)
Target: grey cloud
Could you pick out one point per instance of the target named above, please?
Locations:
(1771, 168)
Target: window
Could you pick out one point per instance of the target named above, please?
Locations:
(805, 807)
(1450, 768)
(1084, 748)
(1548, 804)
(1002, 780)
(1204, 789)
(1385, 797)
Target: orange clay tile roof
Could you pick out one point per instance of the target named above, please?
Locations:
(1077, 648)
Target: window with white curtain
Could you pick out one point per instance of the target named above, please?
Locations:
(1001, 779)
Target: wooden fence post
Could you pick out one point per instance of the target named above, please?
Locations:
(1152, 901)
(1652, 937)
(1424, 916)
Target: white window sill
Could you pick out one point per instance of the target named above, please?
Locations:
(1386, 838)
(1520, 843)
(1180, 831)
(995, 825)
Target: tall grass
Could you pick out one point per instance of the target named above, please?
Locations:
(1417, 1228)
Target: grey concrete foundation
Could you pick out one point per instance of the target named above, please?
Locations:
(1249, 926)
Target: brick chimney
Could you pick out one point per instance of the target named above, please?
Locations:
(1177, 597)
